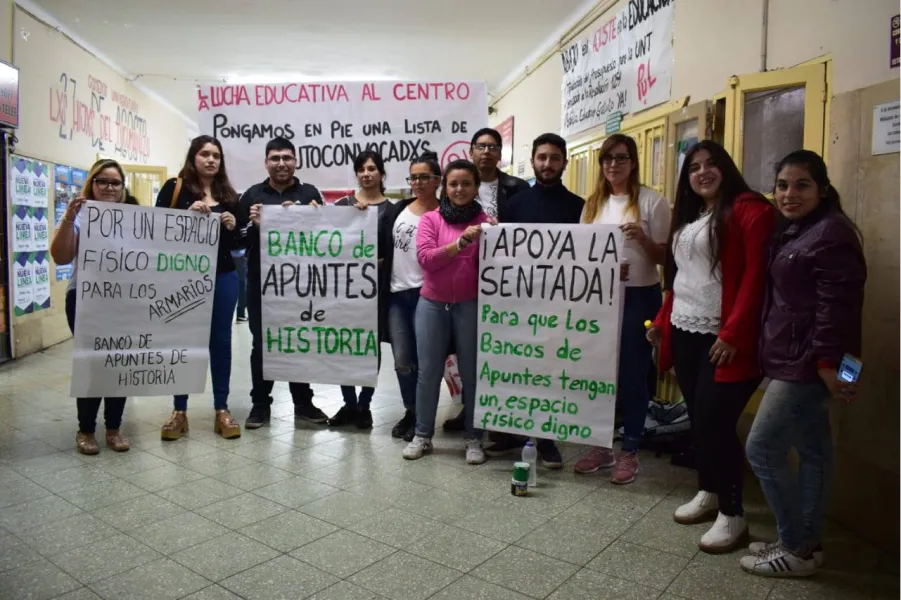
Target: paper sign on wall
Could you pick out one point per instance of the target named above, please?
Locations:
(144, 297)
(320, 317)
(549, 314)
(331, 123)
(625, 65)
(887, 128)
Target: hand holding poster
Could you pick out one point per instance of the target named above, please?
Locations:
(332, 122)
(146, 278)
(320, 283)
(624, 66)
(549, 314)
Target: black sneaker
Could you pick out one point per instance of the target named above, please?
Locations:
(505, 445)
(344, 416)
(309, 412)
(548, 455)
(410, 434)
(258, 417)
(364, 419)
(457, 423)
(400, 430)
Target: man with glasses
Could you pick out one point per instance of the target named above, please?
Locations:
(280, 188)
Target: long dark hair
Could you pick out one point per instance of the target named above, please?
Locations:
(830, 201)
(430, 159)
(376, 159)
(689, 205)
(221, 188)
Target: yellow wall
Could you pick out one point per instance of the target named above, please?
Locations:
(45, 102)
(6, 30)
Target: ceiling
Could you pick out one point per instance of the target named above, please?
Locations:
(172, 45)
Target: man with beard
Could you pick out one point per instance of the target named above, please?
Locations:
(281, 188)
(548, 201)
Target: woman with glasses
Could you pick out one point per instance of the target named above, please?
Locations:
(644, 218)
(369, 168)
(205, 188)
(402, 279)
(105, 183)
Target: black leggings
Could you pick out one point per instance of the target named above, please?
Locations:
(89, 407)
(714, 408)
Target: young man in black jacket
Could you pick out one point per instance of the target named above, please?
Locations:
(280, 188)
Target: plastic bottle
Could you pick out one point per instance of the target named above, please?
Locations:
(530, 455)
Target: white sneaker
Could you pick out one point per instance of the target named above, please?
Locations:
(776, 561)
(701, 508)
(475, 455)
(727, 534)
(419, 446)
(819, 556)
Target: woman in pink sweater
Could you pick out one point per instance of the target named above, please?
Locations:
(448, 252)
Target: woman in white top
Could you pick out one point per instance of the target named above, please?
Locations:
(644, 217)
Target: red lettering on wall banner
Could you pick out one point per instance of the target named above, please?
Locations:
(645, 81)
(605, 34)
(269, 95)
(431, 91)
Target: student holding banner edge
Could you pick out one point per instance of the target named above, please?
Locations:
(203, 186)
(369, 168)
(281, 188)
(105, 183)
(644, 217)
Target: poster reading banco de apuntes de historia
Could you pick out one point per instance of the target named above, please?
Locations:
(319, 271)
(145, 283)
(549, 322)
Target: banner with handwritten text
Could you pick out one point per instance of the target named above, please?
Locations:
(145, 283)
(624, 66)
(320, 318)
(549, 321)
(331, 123)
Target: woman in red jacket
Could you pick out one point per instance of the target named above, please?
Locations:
(709, 326)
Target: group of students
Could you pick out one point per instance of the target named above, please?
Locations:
(753, 291)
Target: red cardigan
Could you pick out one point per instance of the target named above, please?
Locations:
(744, 264)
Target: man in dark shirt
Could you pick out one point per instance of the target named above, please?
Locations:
(281, 188)
(548, 201)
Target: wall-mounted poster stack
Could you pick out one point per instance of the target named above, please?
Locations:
(68, 184)
(30, 234)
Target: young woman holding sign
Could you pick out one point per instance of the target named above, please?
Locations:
(448, 253)
(203, 186)
(709, 326)
(644, 218)
(105, 183)
(370, 171)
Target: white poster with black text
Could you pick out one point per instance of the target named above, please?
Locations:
(624, 66)
(330, 123)
(319, 269)
(144, 299)
(549, 323)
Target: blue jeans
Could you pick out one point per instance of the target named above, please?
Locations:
(635, 356)
(793, 414)
(241, 267)
(402, 331)
(436, 323)
(224, 298)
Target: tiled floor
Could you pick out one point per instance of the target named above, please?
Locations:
(302, 512)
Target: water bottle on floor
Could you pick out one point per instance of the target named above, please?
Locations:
(530, 455)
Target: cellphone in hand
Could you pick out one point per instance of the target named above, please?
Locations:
(849, 369)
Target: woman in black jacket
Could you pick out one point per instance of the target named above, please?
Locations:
(203, 186)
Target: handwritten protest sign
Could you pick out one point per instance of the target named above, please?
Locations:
(624, 66)
(145, 282)
(320, 280)
(549, 313)
(332, 122)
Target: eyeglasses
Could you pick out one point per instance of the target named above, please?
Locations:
(420, 178)
(112, 184)
(493, 148)
(287, 158)
(619, 159)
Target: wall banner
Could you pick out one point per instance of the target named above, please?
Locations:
(146, 278)
(625, 65)
(29, 230)
(549, 322)
(331, 123)
(320, 316)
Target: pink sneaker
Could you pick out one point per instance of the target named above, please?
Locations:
(625, 468)
(598, 458)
